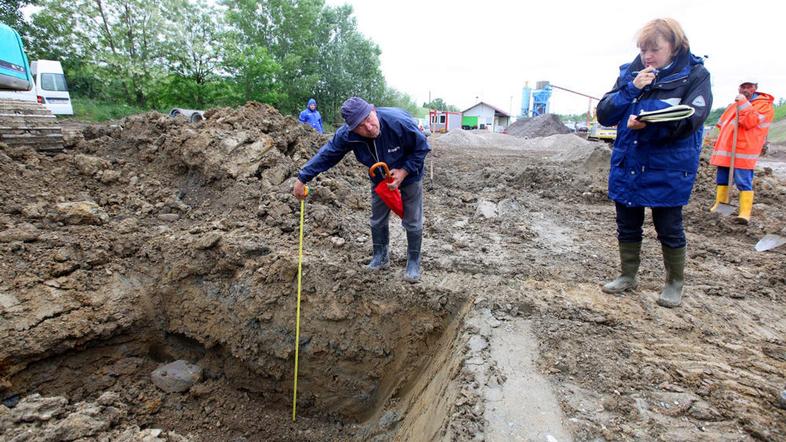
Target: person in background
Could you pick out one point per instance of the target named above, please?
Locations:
(374, 135)
(655, 164)
(756, 114)
(311, 116)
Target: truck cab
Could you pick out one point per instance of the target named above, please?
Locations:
(16, 82)
(602, 133)
(51, 87)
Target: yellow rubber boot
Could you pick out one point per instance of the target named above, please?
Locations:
(721, 196)
(746, 205)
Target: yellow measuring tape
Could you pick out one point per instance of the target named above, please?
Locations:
(297, 321)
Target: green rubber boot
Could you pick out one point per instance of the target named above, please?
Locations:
(674, 261)
(629, 262)
(380, 259)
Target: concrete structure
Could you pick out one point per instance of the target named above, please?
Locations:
(526, 93)
(540, 98)
(485, 116)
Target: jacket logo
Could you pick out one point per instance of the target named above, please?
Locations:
(395, 149)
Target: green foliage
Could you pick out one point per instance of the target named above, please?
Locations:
(11, 15)
(253, 72)
(780, 112)
(777, 132)
(714, 116)
(87, 109)
(440, 104)
(394, 98)
(199, 54)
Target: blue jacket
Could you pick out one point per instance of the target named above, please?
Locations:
(656, 166)
(400, 144)
(312, 118)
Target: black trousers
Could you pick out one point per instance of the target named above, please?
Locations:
(667, 220)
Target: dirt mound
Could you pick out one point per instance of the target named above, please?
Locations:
(540, 126)
(459, 138)
(573, 150)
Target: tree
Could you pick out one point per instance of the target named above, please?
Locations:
(394, 98)
(193, 55)
(318, 48)
(286, 30)
(349, 64)
(11, 15)
(440, 104)
(121, 42)
(254, 72)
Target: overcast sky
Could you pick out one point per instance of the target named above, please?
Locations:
(460, 50)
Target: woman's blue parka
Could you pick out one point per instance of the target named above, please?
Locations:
(656, 166)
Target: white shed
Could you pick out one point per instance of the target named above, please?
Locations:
(485, 116)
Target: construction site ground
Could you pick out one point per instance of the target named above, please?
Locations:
(152, 239)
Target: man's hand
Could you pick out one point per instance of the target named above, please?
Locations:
(634, 124)
(300, 190)
(645, 77)
(740, 97)
(398, 176)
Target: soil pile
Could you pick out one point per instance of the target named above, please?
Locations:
(573, 150)
(540, 126)
(478, 139)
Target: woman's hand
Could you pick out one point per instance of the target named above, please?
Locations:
(634, 124)
(645, 77)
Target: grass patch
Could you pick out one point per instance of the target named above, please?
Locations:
(86, 109)
(780, 112)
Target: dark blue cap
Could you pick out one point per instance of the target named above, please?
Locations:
(354, 111)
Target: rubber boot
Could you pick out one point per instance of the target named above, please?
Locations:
(721, 196)
(629, 262)
(746, 205)
(380, 236)
(674, 261)
(412, 274)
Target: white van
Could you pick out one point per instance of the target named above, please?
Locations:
(51, 87)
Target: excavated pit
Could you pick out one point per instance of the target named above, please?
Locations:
(363, 357)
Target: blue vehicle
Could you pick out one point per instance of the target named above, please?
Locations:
(24, 121)
(14, 67)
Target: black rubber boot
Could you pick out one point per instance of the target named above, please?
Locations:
(380, 236)
(674, 261)
(412, 274)
(629, 264)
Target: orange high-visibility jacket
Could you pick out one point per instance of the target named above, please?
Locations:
(755, 119)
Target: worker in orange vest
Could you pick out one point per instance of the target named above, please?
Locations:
(756, 113)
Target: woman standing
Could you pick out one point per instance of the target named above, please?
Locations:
(654, 164)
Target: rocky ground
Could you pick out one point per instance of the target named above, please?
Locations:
(153, 240)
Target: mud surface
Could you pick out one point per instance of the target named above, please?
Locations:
(153, 240)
